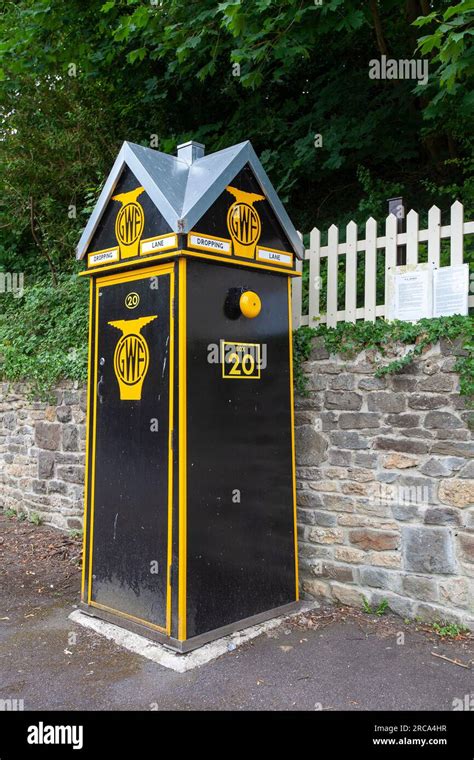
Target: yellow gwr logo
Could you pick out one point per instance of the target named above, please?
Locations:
(131, 357)
(129, 222)
(243, 222)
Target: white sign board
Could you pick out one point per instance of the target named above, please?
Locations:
(103, 257)
(159, 243)
(279, 257)
(210, 243)
(451, 291)
(411, 293)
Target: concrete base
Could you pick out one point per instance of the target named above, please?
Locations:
(178, 661)
(194, 642)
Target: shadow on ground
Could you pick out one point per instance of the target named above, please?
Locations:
(330, 659)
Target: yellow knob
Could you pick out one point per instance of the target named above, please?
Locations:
(250, 304)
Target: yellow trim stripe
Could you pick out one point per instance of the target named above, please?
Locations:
(104, 282)
(292, 421)
(128, 617)
(185, 252)
(242, 262)
(182, 536)
(86, 474)
(137, 274)
(94, 429)
(132, 263)
(170, 457)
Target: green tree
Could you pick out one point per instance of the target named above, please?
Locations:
(77, 78)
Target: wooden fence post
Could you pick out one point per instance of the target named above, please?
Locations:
(370, 270)
(333, 236)
(314, 275)
(297, 294)
(351, 272)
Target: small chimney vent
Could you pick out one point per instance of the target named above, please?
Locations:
(190, 151)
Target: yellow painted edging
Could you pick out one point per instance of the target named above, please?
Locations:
(129, 617)
(182, 534)
(170, 457)
(292, 421)
(94, 427)
(104, 282)
(86, 474)
(282, 268)
(140, 261)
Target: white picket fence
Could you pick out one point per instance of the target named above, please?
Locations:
(371, 245)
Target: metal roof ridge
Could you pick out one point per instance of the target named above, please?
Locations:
(185, 191)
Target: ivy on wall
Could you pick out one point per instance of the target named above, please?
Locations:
(43, 334)
(348, 339)
(43, 338)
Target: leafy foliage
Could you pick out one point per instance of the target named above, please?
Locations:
(380, 610)
(450, 44)
(348, 339)
(447, 630)
(302, 343)
(43, 335)
(77, 78)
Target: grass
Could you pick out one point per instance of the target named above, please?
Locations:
(380, 610)
(449, 630)
(33, 518)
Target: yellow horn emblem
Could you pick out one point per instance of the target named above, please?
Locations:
(129, 222)
(131, 357)
(243, 222)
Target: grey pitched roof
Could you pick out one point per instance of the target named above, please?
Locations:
(183, 192)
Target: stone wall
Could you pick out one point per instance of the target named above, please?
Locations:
(385, 471)
(385, 486)
(42, 454)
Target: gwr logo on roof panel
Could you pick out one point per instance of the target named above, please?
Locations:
(243, 222)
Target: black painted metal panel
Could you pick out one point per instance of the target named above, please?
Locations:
(131, 471)
(215, 220)
(240, 549)
(153, 221)
(88, 453)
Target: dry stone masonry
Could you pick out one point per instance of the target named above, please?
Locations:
(385, 470)
(385, 492)
(42, 449)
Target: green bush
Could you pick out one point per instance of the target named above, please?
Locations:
(348, 339)
(43, 334)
